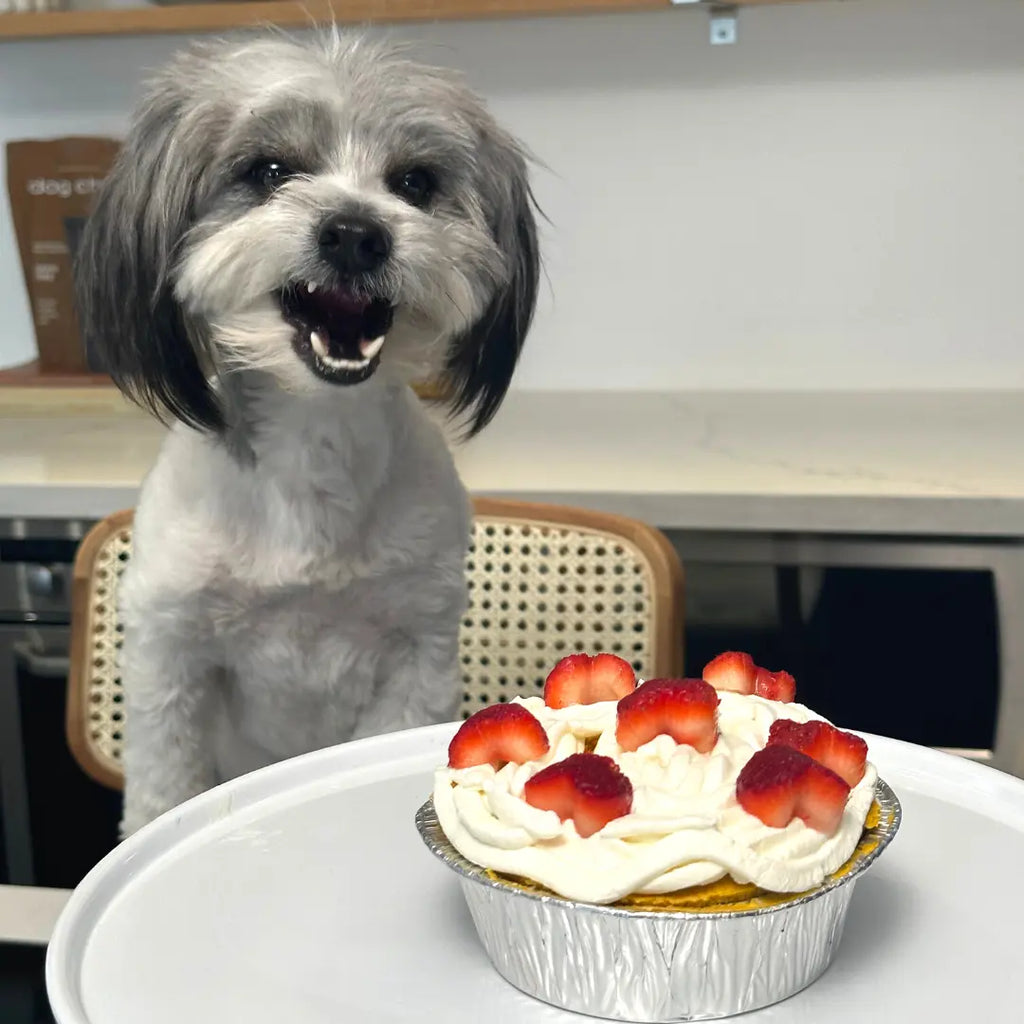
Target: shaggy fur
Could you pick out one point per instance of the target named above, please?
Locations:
(298, 574)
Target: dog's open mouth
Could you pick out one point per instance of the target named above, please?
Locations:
(338, 332)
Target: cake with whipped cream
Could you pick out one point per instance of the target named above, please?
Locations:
(697, 794)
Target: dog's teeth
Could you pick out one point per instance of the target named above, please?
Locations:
(311, 287)
(319, 345)
(335, 363)
(344, 364)
(370, 348)
(320, 348)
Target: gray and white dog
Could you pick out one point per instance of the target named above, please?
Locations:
(291, 233)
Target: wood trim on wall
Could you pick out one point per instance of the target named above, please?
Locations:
(217, 17)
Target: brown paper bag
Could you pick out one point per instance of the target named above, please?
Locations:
(52, 185)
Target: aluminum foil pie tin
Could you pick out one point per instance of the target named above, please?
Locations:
(653, 966)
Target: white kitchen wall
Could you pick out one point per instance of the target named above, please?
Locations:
(835, 202)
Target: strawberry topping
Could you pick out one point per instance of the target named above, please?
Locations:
(775, 685)
(779, 784)
(731, 670)
(685, 709)
(842, 752)
(582, 679)
(588, 788)
(497, 735)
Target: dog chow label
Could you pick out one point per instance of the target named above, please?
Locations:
(52, 185)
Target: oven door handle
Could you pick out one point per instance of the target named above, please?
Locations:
(43, 666)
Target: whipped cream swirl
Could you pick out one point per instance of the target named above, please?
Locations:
(686, 827)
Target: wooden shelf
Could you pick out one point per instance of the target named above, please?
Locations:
(31, 375)
(217, 17)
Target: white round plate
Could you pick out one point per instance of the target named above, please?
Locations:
(302, 894)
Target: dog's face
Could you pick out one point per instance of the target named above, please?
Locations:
(319, 213)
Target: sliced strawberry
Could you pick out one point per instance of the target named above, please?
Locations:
(848, 757)
(779, 784)
(685, 709)
(732, 670)
(810, 738)
(842, 752)
(588, 788)
(823, 799)
(582, 679)
(497, 735)
(775, 685)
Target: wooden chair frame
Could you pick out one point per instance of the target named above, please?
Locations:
(77, 712)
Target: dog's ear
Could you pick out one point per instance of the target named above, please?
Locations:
(481, 362)
(123, 274)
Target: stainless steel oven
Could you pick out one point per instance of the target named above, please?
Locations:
(56, 822)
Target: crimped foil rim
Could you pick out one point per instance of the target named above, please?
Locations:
(437, 842)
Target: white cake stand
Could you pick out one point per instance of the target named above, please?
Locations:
(302, 894)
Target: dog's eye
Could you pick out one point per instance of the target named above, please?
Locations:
(415, 186)
(269, 174)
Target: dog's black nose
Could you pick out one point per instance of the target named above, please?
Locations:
(353, 245)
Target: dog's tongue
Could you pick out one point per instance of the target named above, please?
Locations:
(335, 302)
(340, 323)
(349, 324)
(337, 314)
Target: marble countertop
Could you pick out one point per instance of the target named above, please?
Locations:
(28, 915)
(903, 463)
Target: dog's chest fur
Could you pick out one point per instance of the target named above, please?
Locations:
(309, 553)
